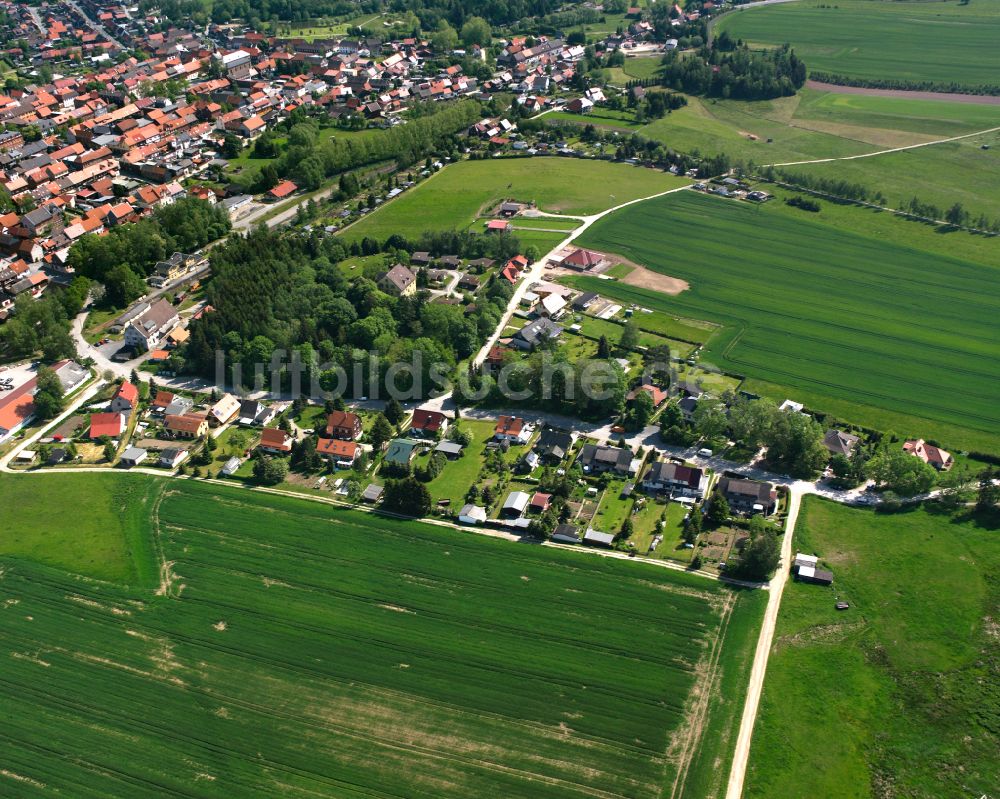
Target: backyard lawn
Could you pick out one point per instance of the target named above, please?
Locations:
(458, 475)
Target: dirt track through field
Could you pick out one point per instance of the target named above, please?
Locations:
(741, 755)
(903, 94)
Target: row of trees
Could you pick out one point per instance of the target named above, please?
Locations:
(907, 85)
(308, 160)
(956, 214)
(634, 145)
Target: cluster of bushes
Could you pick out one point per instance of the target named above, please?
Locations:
(798, 201)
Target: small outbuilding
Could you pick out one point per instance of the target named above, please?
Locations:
(566, 534)
(373, 493)
(515, 504)
(597, 538)
(472, 514)
(133, 456)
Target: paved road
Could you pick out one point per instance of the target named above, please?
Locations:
(738, 769)
(95, 26)
(85, 395)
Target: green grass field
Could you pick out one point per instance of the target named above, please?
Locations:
(944, 41)
(896, 696)
(299, 650)
(459, 194)
(643, 67)
(96, 526)
(877, 320)
(816, 124)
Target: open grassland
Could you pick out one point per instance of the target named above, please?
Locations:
(95, 525)
(896, 696)
(458, 194)
(816, 124)
(297, 650)
(880, 321)
(930, 119)
(916, 41)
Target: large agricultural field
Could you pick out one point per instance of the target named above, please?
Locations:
(896, 696)
(290, 648)
(456, 196)
(916, 41)
(877, 320)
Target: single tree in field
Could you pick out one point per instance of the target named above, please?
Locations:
(603, 348)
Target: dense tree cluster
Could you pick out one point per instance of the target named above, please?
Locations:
(895, 470)
(284, 292)
(739, 73)
(125, 257)
(761, 554)
(42, 325)
(794, 441)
